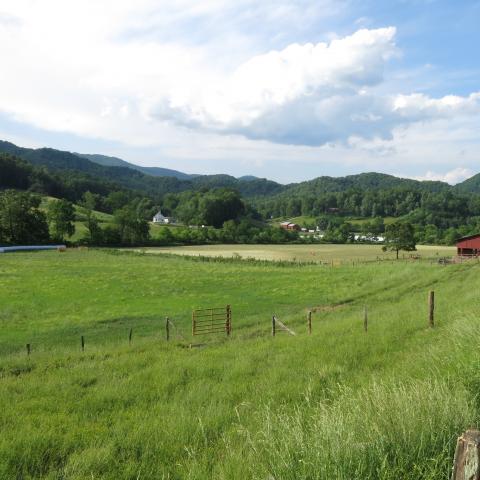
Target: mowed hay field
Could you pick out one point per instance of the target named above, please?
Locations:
(339, 404)
(317, 253)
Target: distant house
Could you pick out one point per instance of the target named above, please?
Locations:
(160, 218)
(469, 246)
(369, 238)
(290, 226)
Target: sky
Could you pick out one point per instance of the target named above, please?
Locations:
(287, 90)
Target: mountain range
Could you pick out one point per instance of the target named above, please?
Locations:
(158, 181)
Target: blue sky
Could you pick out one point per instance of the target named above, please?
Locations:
(288, 90)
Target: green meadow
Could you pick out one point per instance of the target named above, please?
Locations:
(338, 404)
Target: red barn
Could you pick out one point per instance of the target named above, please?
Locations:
(469, 246)
(289, 226)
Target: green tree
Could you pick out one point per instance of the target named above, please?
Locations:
(399, 236)
(165, 236)
(294, 207)
(451, 236)
(131, 228)
(91, 221)
(117, 200)
(21, 220)
(61, 215)
(218, 206)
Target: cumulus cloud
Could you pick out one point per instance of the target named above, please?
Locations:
(421, 107)
(304, 94)
(217, 76)
(452, 177)
(311, 95)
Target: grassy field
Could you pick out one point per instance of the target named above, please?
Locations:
(339, 404)
(304, 253)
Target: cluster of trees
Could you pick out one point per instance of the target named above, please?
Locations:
(445, 208)
(23, 221)
(207, 207)
(129, 227)
(232, 232)
(438, 216)
(338, 229)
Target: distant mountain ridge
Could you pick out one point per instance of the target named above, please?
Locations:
(132, 178)
(471, 185)
(159, 181)
(107, 161)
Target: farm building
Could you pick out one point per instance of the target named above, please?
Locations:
(469, 246)
(160, 218)
(290, 226)
(369, 238)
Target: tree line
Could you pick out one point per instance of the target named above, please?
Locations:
(24, 221)
(439, 214)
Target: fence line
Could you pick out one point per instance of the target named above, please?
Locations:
(206, 324)
(276, 321)
(177, 330)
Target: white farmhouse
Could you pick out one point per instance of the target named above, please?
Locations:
(160, 218)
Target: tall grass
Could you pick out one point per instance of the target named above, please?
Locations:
(384, 430)
(337, 404)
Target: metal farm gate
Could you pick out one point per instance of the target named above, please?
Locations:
(212, 320)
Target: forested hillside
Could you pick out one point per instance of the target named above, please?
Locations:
(471, 185)
(439, 212)
(70, 165)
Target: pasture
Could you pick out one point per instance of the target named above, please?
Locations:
(317, 253)
(338, 404)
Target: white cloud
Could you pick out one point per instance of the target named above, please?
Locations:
(223, 79)
(311, 95)
(420, 107)
(303, 94)
(452, 177)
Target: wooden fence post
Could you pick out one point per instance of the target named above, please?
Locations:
(82, 341)
(130, 336)
(431, 309)
(310, 322)
(28, 349)
(167, 328)
(229, 319)
(273, 326)
(365, 319)
(466, 463)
